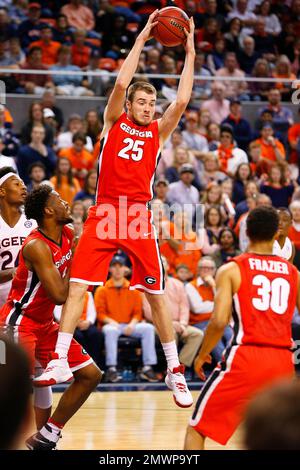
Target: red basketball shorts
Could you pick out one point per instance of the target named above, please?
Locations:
(39, 340)
(106, 231)
(244, 372)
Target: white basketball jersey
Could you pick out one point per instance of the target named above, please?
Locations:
(286, 251)
(11, 240)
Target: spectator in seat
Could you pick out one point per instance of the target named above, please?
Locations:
(81, 160)
(49, 101)
(177, 301)
(181, 156)
(248, 18)
(211, 170)
(93, 125)
(260, 90)
(242, 176)
(183, 273)
(104, 17)
(217, 106)
(272, 23)
(264, 42)
(89, 188)
(64, 182)
(201, 294)
(276, 187)
(29, 30)
(294, 231)
(119, 38)
(216, 58)
(251, 190)
(294, 143)
(4, 160)
(247, 56)
(35, 151)
(283, 69)
(183, 192)
(75, 124)
(79, 16)
(191, 136)
(8, 138)
(234, 89)
(98, 84)
(167, 154)
(161, 189)
(232, 37)
(33, 83)
(62, 32)
(242, 131)
(228, 247)
(15, 51)
(69, 85)
(37, 174)
(271, 148)
(36, 118)
(230, 156)
(119, 312)
(80, 51)
(49, 47)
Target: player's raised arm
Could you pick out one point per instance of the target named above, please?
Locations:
(115, 105)
(172, 116)
(38, 258)
(227, 280)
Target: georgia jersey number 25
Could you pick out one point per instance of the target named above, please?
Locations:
(272, 295)
(133, 149)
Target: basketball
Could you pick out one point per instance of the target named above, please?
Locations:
(170, 28)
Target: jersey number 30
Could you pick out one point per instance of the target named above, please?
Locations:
(133, 149)
(273, 295)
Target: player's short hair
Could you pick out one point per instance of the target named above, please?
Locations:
(144, 86)
(15, 391)
(262, 223)
(7, 169)
(36, 201)
(286, 210)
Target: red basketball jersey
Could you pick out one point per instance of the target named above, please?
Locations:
(27, 297)
(265, 302)
(127, 161)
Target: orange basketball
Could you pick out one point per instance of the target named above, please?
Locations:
(170, 28)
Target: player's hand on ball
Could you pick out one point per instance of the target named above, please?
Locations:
(198, 366)
(189, 44)
(145, 34)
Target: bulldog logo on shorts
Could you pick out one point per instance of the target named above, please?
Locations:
(150, 280)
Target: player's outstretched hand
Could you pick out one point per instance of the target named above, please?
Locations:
(145, 34)
(198, 366)
(189, 44)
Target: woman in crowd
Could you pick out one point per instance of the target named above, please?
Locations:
(64, 182)
(89, 189)
(181, 156)
(211, 171)
(36, 118)
(228, 247)
(92, 125)
(276, 186)
(242, 176)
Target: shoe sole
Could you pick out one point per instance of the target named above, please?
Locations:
(46, 383)
(180, 404)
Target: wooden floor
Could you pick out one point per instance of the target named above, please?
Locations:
(131, 420)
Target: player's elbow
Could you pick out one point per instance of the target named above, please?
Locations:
(218, 324)
(120, 85)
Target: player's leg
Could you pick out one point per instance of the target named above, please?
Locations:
(86, 377)
(148, 275)
(193, 440)
(89, 267)
(42, 400)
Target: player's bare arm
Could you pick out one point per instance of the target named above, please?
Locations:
(38, 258)
(228, 280)
(172, 116)
(7, 275)
(115, 105)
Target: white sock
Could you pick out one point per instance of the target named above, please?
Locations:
(171, 353)
(53, 434)
(63, 344)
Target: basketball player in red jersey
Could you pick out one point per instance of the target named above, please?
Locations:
(14, 228)
(41, 281)
(260, 291)
(130, 145)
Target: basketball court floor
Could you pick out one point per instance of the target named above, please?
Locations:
(140, 420)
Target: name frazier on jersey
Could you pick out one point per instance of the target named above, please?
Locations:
(65, 258)
(136, 132)
(269, 266)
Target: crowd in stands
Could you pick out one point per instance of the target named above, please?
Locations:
(216, 157)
